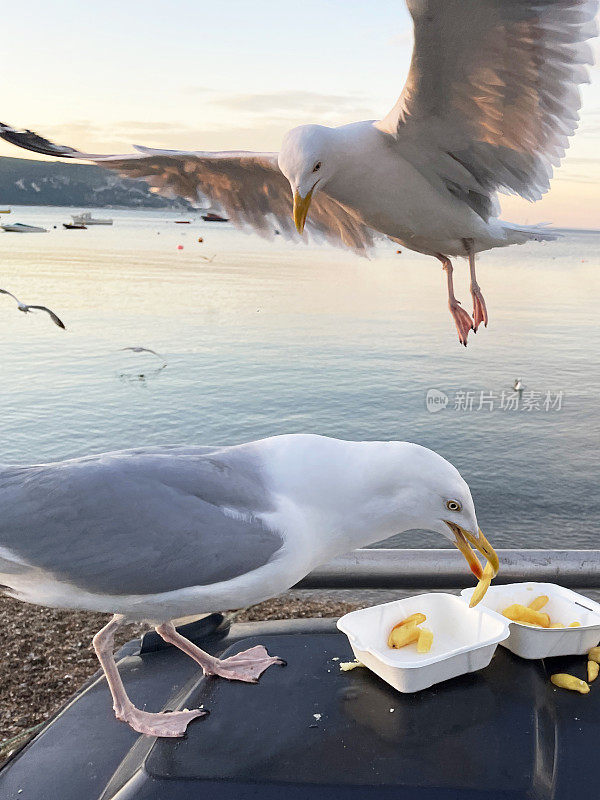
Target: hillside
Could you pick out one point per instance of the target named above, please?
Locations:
(54, 183)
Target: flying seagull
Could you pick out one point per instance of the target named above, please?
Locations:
(489, 104)
(144, 350)
(164, 532)
(27, 308)
(144, 375)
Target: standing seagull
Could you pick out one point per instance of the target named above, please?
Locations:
(489, 104)
(161, 533)
(27, 308)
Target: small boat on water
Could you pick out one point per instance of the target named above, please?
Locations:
(4, 210)
(212, 217)
(74, 226)
(19, 227)
(182, 222)
(85, 218)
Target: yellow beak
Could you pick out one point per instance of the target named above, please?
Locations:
(463, 538)
(301, 206)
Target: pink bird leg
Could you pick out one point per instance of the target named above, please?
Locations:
(171, 723)
(247, 666)
(479, 309)
(462, 320)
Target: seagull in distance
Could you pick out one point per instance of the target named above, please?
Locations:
(489, 103)
(25, 308)
(147, 350)
(143, 350)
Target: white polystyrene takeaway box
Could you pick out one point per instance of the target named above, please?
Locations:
(464, 639)
(564, 605)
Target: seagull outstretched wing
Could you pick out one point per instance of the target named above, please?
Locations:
(492, 93)
(53, 316)
(10, 294)
(248, 187)
(143, 350)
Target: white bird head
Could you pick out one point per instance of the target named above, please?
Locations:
(436, 497)
(365, 492)
(307, 159)
(411, 487)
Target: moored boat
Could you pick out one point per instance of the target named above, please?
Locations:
(19, 227)
(74, 226)
(212, 217)
(85, 218)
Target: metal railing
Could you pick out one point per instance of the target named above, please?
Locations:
(445, 569)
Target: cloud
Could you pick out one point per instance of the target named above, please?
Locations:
(294, 102)
(226, 121)
(154, 126)
(119, 137)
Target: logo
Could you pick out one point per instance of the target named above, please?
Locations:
(435, 400)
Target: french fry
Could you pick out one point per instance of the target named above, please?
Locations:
(594, 654)
(424, 641)
(482, 586)
(592, 669)
(538, 603)
(556, 625)
(564, 681)
(414, 619)
(575, 624)
(402, 635)
(346, 666)
(519, 613)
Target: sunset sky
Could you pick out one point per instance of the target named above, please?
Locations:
(233, 75)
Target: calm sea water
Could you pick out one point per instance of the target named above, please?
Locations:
(272, 338)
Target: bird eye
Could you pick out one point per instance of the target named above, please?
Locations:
(317, 166)
(453, 505)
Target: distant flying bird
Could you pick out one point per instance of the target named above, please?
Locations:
(27, 308)
(489, 104)
(208, 259)
(146, 350)
(143, 350)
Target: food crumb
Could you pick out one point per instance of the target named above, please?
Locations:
(335, 658)
(346, 666)
(392, 710)
(317, 716)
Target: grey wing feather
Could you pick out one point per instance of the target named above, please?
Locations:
(143, 350)
(53, 316)
(140, 522)
(249, 188)
(10, 294)
(493, 89)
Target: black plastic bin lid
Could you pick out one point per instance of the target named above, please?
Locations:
(310, 731)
